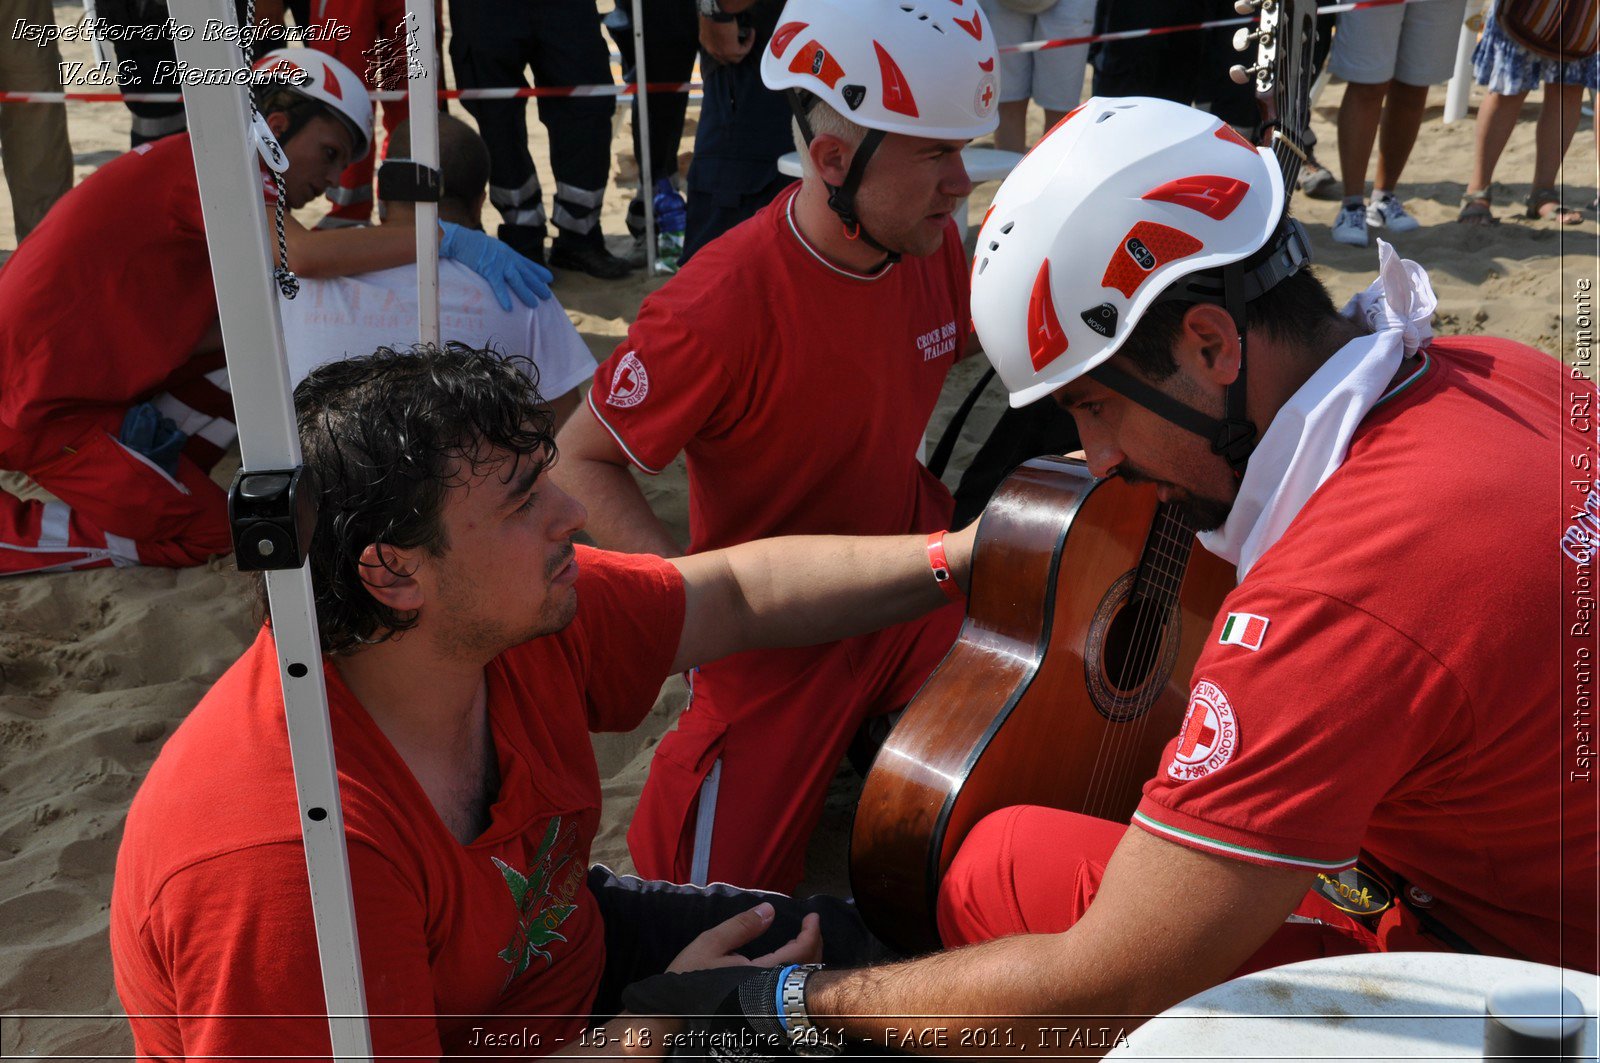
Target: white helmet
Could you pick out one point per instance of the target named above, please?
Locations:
(1122, 199)
(926, 68)
(330, 83)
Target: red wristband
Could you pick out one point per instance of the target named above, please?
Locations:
(941, 567)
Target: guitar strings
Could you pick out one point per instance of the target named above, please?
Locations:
(1160, 578)
(1169, 557)
(1145, 594)
(1111, 758)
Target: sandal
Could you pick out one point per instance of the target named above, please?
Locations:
(1476, 209)
(1540, 199)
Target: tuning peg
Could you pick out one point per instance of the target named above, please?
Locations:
(1243, 75)
(1246, 7)
(1243, 38)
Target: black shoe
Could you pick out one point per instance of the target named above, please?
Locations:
(525, 240)
(588, 256)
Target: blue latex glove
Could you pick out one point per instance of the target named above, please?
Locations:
(506, 271)
(146, 432)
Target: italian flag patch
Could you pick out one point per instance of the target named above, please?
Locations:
(1244, 629)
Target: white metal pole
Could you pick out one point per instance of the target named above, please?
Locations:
(641, 119)
(1460, 86)
(422, 72)
(229, 171)
(104, 58)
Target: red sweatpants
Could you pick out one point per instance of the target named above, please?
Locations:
(1031, 870)
(116, 507)
(768, 729)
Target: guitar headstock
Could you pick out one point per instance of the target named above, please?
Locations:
(1284, 35)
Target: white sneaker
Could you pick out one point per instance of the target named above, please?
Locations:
(1387, 212)
(1350, 227)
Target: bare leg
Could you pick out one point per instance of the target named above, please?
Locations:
(1402, 117)
(1013, 132)
(1558, 122)
(1052, 118)
(1496, 119)
(1358, 128)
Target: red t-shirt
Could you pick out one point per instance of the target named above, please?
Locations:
(105, 300)
(799, 392)
(1403, 701)
(211, 911)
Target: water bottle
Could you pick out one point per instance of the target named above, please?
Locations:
(671, 217)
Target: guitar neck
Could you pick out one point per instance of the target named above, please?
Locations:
(1166, 556)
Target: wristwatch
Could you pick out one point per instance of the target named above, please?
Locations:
(805, 1039)
(712, 10)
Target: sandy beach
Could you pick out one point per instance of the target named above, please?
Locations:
(97, 669)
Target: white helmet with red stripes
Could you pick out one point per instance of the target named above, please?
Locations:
(1122, 199)
(925, 68)
(323, 78)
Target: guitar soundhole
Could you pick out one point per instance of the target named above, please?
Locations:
(1131, 651)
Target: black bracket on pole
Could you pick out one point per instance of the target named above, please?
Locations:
(273, 515)
(408, 181)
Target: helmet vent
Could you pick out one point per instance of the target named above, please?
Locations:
(1005, 229)
(983, 266)
(922, 16)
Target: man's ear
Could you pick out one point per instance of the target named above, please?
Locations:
(388, 576)
(831, 157)
(1210, 339)
(278, 122)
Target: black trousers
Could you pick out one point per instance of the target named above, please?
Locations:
(671, 42)
(1189, 67)
(743, 132)
(493, 43)
(649, 923)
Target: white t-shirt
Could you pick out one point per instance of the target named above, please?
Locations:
(342, 317)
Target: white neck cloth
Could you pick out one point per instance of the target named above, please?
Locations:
(1309, 437)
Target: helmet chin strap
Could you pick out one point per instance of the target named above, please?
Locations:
(1233, 437)
(842, 198)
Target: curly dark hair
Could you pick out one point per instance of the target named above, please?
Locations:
(385, 437)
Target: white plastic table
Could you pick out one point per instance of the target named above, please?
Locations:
(983, 164)
(1396, 1005)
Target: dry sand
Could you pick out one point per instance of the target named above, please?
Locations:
(97, 669)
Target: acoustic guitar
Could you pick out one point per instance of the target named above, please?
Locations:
(1090, 603)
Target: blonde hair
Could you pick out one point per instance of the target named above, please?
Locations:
(824, 119)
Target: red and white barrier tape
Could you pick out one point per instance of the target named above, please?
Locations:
(1215, 24)
(692, 86)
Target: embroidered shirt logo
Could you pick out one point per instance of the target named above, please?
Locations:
(629, 384)
(542, 905)
(936, 343)
(1210, 734)
(1243, 629)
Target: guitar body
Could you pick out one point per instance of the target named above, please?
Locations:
(1070, 676)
